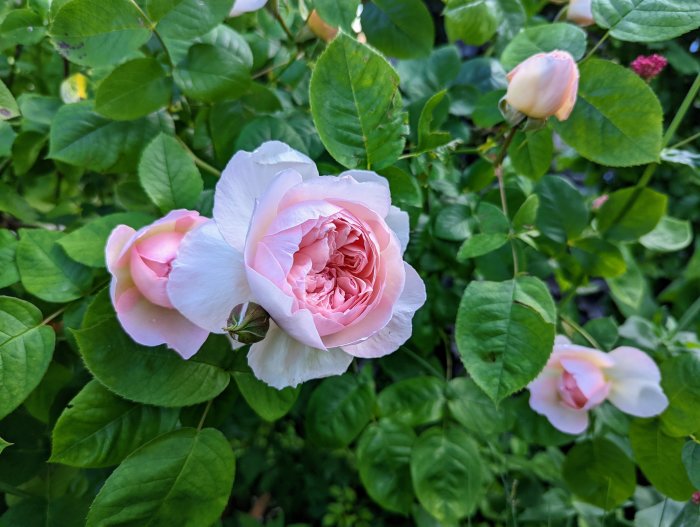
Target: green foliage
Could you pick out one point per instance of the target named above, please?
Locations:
(356, 105)
(399, 28)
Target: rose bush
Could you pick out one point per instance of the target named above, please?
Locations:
(349, 263)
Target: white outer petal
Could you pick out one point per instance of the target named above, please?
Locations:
(246, 6)
(207, 279)
(281, 361)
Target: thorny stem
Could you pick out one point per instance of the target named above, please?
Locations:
(651, 168)
(498, 169)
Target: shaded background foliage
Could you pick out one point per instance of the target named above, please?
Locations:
(111, 128)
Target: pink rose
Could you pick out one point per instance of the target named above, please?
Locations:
(323, 255)
(246, 6)
(140, 263)
(580, 12)
(577, 379)
(543, 85)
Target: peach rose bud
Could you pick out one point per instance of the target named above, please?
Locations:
(543, 85)
(580, 12)
(321, 28)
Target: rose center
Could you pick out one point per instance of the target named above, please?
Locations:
(570, 393)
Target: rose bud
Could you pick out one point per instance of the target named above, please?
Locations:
(649, 67)
(577, 379)
(543, 85)
(321, 28)
(323, 255)
(580, 12)
(248, 323)
(140, 263)
(246, 6)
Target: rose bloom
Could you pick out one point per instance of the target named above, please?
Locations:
(140, 263)
(246, 6)
(543, 85)
(580, 12)
(323, 255)
(577, 379)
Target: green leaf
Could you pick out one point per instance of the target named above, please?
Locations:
(646, 20)
(356, 105)
(26, 348)
(425, 77)
(134, 89)
(562, 214)
(181, 478)
(622, 109)
(472, 21)
(97, 33)
(399, 28)
(46, 270)
(600, 473)
(83, 138)
(481, 244)
(599, 257)
(679, 380)
(659, 456)
(98, 429)
(23, 26)
(86, 245)
(669, 235)
(486, 113)
(4, 444)
(620, 222)
(454, 222)
(148, 375)
(471, 408)
(61, 511)
(383, 460)
(447, 473)
(543, 39)
(428, 139)
(187, 19)
(526, 215)
(8, 104)
(269, 128)
(168, 174)
(505, 333)
(211, 74)
(337, 13)
(691, 460)
(268, 402)
(26, 150)
(413, 402)
(405, 188)
(8, 253)
(339, 409)
(531, 153)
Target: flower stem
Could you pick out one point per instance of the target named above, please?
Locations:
(197, 161)
(597, 45)
(498, 170)
(585, 334)
(204, 414)
(687, 318)
(274, 9)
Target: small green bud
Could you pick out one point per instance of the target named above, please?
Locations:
(248, 323)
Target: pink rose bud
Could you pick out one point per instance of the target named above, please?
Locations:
(140, 263)
(543, 85)
(580, 12)
(599, 201)
(577, 379)
(648, 67)
(696, 497)
(246, 6)
(323, 255)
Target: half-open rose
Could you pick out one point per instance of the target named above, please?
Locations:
(140, 263)
(577, 379)
(323, 255)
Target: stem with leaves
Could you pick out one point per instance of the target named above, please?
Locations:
(498, 170)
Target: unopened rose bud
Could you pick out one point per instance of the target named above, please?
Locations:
(546, 84)
(580, 12)
(696, 498)
(321, 28)
(248, 323)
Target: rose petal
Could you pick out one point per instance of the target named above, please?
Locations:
(544, 400)
(635, 383)
(247, 177)
(117, 241)
(281, 361)
(207, 279)
(246, 6)
(397, 220)
(399, 328)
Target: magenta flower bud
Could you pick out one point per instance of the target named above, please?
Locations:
(546, 84)
(648, 67)
(580, 12)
